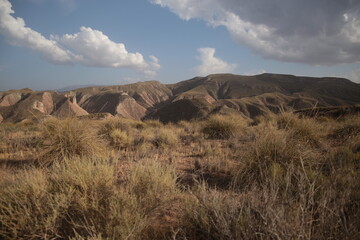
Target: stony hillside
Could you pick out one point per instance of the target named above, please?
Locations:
(195, 98)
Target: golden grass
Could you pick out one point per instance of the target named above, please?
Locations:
(69, 138)
(284, 177)
(223, 127)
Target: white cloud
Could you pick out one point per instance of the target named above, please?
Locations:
(355, 76)
(88, 47)
(323, 32)
(255, 72)
(211, 64)
(93, 48)
(18, 34)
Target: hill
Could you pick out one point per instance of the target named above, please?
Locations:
(198, 97)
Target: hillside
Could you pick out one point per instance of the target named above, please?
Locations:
(198, 97)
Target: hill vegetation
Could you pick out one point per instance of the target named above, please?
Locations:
(285, 176)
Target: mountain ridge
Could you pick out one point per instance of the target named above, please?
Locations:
(197, 97)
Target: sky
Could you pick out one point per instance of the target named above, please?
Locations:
(51, 44)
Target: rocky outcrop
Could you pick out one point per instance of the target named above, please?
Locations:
(83, 98)
(47, 102)
(37, 105)
(45, 105)
(69, 109)
(129, 108)
(10, 99)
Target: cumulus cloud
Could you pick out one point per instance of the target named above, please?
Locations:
(322, 32)
(211, 64)
(88, 47)
(17, 33)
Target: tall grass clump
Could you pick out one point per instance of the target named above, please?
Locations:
(345, 128)
(306, 129)
(120, 139)
(78, 198)
(223, 127)
(298, 189)
(153, 183)
(69, 138)
(212, 214)
(165, 137)
(120, 132)
(126, 125)
(98, 205)
(27, 210)
(268, 156)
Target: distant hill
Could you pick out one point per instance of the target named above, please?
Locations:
(198, 97)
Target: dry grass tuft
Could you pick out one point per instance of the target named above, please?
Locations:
(77, 199)
(223, 127)
(305, 129)
(69, 138)
(120, 139)
(153, 183)
(345, 128)
(153, 123)
(164, 138)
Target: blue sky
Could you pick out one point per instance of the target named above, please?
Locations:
(76, 42)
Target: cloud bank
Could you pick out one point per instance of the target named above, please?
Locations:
(211, 64)
(88, 47)
(321, 32)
